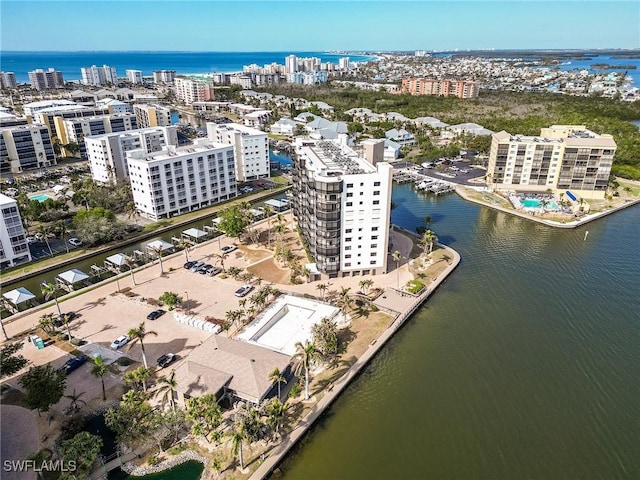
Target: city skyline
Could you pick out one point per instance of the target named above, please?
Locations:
(360, 25)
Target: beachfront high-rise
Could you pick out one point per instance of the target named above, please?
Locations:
(251, 148)
(107, 153)
(164, 76)
(99, 75)
(291, 64)
(178, 180)
(46, 79)
(561, 158)
(134, 76)
(13, 243)
(7, 80)
(342, 204)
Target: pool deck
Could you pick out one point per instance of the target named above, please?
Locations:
(460, 190)
(404, 305)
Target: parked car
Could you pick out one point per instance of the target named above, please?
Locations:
(155, 314)
(228, 249)
(31, 239)
(204, 269)
(75, 242)
(213, 271)
(243, 290)
(121, 341)
(188, 265)
(72, 364)
(59, 320)
(464, 170)
(196, 266)
(166, 359)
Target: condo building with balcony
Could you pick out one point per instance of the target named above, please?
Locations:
(25, 147)
(8, 80)
(440, 88)
(74, 130)
(107, 152)
(151, 115)
(97, 76)
(164, 76)
(178, 180)
(46, 79)
(251, 148)
(191, 90)
(342, 204)
(561, 158)
(13, 242)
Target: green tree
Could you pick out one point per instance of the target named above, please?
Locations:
(99, 370)
(44, 387)
(234, 221)
(322, 287)
(170, 299)
(276, 412)
(50, 290)
(139, 377)
(365, 285)
(137, 335)
(305, 356)
(132, 419)
(83, 449)
(47, 324)
(205, 415)
(166, 390)
(277, 377)
(97, 225)
(74, 405)
(10, 360)
(158, 253)
(427, 241)
(325, 336)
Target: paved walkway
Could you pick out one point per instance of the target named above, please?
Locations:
(18, 443)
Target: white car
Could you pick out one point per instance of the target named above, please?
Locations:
(75, 242)
(228, 249)
(243, 290)
(121, 341)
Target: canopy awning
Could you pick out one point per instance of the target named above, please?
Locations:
(195, 233)
(278, 205)
(18, 296)
(118, 260)
(159, 245)
(73, 276)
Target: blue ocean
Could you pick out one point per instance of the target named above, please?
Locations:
(70, 63)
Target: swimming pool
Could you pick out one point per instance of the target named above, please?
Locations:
(40, 198)
(535, 203)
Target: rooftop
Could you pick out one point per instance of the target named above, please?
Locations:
(170, 151)
(333, 159)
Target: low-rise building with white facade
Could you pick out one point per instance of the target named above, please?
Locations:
(107, 153)
(178, 180)
(13, 242)
(251, 148)
(561, 158)
(25, 147)
(342, 204)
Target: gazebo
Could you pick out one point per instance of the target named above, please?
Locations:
(194, 235)
(159, 245)
(70, 279)
(14, 298)
(278, 205)
(256, 213)
(116, 262)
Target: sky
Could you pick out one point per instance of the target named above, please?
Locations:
(252, 25)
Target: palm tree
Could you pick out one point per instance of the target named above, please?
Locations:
(397, 257)
(62, 230)
(427, 220)
(277, 377)
(305, 355)
(44, 231)
(66, 321)
(139, 376)
(323, 287)
(276, 411)
(237, 435)
(344, 300)
(167, 388)
(427, 241)
(100, 369)
(365, 285)
(131, 265)
(50, 290)
(46, 323)
(221, 258)
(184, 244)
(75, 400)
(158, 253)
(138, 335)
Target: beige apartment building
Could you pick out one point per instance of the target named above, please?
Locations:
(561, 158)
(440, 88)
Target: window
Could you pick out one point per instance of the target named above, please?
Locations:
(350, 194)
(348, 239)
(376, 192)
(347, 256)
(349, 204)
(374, 237)
(374, 254)
(374, 245)
(347, 264)
(348, 230)
(376, 202)
(374, 229)
(376, 184)
(349, 185)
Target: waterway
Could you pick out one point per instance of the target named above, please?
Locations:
(184, 471)
(524, 364)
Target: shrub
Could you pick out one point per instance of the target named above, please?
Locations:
(124, 361)
(295, 390)
(415, 286)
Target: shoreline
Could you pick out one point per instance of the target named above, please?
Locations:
(274, 457)
(460, 191)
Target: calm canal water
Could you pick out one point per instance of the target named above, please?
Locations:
(524, 364)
